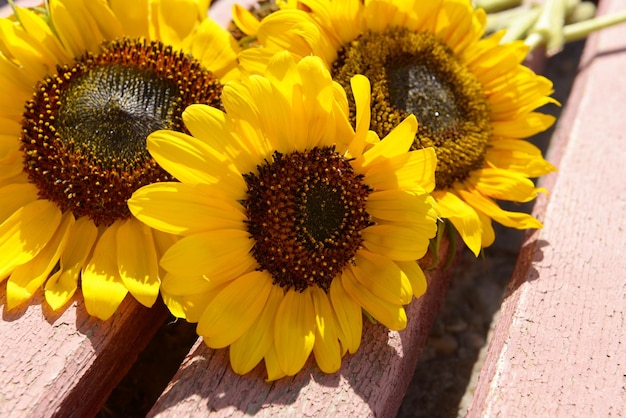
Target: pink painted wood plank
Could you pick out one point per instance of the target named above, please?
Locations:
(67, 362)
(559, 347)
(371, 382)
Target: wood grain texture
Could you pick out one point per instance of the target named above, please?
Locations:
(559, 347)
(371, 382)
(66, 363)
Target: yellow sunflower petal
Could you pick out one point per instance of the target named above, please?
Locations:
(159, 205)
(207, 45)
(382, 277)
(137, 261)
(413, 171)
(191, 161)
(272, 365)
(28, 277)
(490, 208)
(503, 184)
(390, 315)
(518, 156)
(181, 284)
(62, 285)
(396, 143)
(103, 288)
(253, 345)
(218, 255)
(15, 196)
(398, 242)
(400, 206)
(133, 16)
(415, 275)
(294, 330)
(349, 316)
(234, 309)
(362, 99)
(327, 350)
(76, 28)
(25, 233)
(463, 217)
(527, 125)
(245, 20)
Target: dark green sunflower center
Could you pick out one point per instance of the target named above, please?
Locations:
(305, 213)
(415, 73)
(84, 130)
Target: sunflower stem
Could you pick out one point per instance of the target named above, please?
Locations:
(491, 6)
(581, 30)
(549, 27)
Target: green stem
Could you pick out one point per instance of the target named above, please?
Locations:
(581, 30)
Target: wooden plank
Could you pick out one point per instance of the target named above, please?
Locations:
(559, 347)
(66, 363)
(371, 382)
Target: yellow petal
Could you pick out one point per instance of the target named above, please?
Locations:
(490, 208)
(245, 20)
(294, 332)
(400, 206)
(463, 217)
(218, 255)
(27, 278)
(14, 196)
(390, 315)
(517, 155)
(412, 171)
(398, 242)
(415, 275)
(182, 209)
(503, 184)
(396, 143)
(272, 365)
(61, 286)
(25, 233)
(192, 161)
(103, 288)
(382, 277)
(253, 345)
(137, 261)
(326, 349)
(235, 309)
(523, 127)
(349, 316)
(133, 16)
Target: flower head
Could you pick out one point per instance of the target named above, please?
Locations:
(84, 83)
(292, 221)
(473, 99)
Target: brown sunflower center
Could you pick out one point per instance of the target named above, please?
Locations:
(305, 213)
(84, 130)
(416, 73)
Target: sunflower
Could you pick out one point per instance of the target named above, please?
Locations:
(83, 84)
(289, 226)
(474, 100)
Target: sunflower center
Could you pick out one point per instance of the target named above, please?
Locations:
(417, 73)
(305, 213)
(84, 130)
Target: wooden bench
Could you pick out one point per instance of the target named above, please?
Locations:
(559, 346)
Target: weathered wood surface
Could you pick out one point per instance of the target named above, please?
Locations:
(559, 347)
(371, 382)
(66, 363)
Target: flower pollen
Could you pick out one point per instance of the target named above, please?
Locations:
(84, 130)
(415, 73)
(305, 212)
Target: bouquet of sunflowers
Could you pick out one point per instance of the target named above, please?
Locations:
(272, 183)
